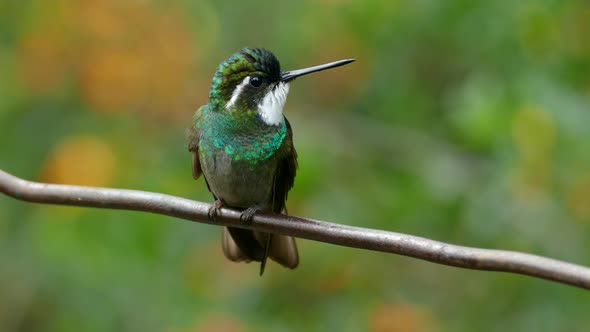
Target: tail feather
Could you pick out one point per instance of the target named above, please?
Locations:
(231, 249)
(266, 253)
(283, 250)
(241, 245)
(280, 248)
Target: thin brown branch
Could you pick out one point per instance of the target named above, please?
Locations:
(356, 237)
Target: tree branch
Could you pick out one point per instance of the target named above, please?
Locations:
(356, 237)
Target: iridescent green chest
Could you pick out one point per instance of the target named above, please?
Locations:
(242, 137)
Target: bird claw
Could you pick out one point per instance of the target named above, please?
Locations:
(248, 214)
(214, 209)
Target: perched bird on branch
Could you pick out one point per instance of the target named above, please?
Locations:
(243, 145)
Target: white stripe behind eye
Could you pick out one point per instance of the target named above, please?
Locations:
(270, 108)
(237, 91)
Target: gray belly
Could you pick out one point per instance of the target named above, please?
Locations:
(239, 183)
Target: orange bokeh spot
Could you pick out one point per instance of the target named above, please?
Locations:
(80, 160)
(400, 317)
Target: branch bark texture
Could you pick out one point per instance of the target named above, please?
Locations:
(356, 237)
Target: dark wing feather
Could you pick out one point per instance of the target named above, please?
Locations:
(286, 170)
(193, 142)
(281, 248)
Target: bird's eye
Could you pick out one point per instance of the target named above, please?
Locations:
(255, 81)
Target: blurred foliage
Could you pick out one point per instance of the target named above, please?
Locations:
(467, 122)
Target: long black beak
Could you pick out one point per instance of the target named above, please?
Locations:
(287, 76)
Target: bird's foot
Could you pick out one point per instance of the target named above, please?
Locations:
(248, 214)
(214, 209)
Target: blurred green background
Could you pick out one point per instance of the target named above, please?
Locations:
(466, 122)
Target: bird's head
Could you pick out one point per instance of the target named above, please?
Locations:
(252, 81)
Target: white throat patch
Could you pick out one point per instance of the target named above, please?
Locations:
(270, 108)
(237, 91)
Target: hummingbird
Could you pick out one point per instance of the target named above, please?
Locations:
(243, 146)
